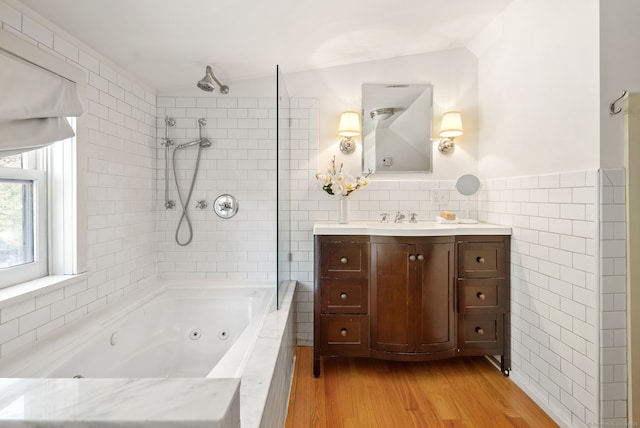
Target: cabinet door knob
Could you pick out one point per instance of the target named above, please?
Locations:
(420, 257)
(343, 332)
(412, 258)
(343, 260)
(343, 296)
(479, 330)
(481, 295)
(480, 259)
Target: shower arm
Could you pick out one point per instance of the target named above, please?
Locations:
(213, 76)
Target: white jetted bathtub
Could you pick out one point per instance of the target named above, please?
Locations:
(176, 344)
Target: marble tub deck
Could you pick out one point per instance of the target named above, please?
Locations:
(166, 402)
(139, 403)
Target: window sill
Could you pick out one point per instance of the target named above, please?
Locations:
(25, 290)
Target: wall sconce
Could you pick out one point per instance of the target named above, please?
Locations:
(349, 127)
(450, 128)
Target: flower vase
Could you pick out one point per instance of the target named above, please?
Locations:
(343, 213)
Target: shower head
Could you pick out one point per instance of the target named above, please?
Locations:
(206, 83)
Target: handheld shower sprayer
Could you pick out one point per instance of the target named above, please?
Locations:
(203, 142)
(206, 83)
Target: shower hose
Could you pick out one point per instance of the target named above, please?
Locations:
(184, 218)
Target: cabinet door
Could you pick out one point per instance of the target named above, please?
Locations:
(392, 304)
(434, 296)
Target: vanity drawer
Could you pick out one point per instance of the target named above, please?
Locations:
(481, 259)
(344, 334)
(344, 259)
(481, 295)
(345, 295)
(480, 334)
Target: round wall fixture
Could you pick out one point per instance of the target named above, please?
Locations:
(468, 185)
(225, 206)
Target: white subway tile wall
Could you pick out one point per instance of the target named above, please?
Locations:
(554, 283)
(241, 162)
(120, 120)
(613, 298)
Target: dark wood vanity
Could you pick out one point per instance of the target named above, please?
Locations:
(411, 298)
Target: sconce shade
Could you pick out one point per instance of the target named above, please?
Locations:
(451, 125)
(349, 124)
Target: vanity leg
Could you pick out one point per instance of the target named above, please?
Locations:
(316, 366)
(505, 365)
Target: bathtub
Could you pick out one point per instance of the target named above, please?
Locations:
(194, 338)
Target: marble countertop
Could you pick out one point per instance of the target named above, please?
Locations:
(143, 403)
(424, 228)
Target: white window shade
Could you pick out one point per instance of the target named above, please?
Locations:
(33, 106)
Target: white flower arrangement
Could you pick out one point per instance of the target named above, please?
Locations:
(337, 182)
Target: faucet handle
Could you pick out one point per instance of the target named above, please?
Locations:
(412, 218)
(385, 218)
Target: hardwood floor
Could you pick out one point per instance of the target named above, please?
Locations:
(367, 393)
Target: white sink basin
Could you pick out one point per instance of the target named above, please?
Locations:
(424, 228)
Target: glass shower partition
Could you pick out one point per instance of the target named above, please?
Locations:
(283, 190)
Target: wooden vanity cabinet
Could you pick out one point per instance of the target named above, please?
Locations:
(341, 297)
(483, 287)
(412, 297)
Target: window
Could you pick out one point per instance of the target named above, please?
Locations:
(23, 218)
(43, 201)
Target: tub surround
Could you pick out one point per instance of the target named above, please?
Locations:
(120, 402)
(194, 402)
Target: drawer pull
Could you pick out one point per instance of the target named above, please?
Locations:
(343, 296)
(412, 258)
(343, 260)
(420, 257)
(343, 332)
(480, 259)
(479, 330)
(481, 295)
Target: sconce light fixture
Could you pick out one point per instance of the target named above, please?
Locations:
(349, 127)
(450, 128)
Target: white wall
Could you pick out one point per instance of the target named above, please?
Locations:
(242, 162)
(538, 68)
(554, 311)
(453, 74)
(542, 109)
(454, 78)
(120, 119)
(619, 70)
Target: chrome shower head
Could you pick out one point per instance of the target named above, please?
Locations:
(207, 82)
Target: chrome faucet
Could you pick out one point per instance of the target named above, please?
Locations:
(399, 217)
(412, 218)
(385, 218)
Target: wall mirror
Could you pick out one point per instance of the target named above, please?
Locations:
(396, 127)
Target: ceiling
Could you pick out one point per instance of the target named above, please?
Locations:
(166, 43)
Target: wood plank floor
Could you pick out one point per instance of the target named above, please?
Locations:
(367, 393)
